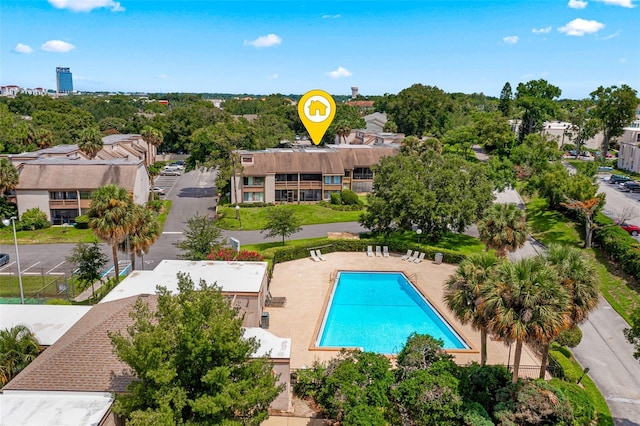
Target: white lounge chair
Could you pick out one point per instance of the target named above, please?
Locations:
(314, 257)
(419, 258)
(385, 251)
(408, 255)
(320, 256)
(414, 257)
(370, 251)
(378, 251)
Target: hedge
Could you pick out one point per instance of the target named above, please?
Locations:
(329, 246)
(618, 245)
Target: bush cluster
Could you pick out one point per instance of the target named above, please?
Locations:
(33, 219)
(616, 243)
(570, 337)
(82, 221)
(228, 254)
(341, 207)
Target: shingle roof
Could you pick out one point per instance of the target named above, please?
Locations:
(83, 360)
(57, 173)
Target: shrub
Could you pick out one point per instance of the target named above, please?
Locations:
(617, 244)
(228, 254)
(581, 406)
(349, 197)
(309, 380)
(155, 205)
(484, 383)
(473, 414)
(34, 219)
(533, 403)
(336, 199)
(58, 302)
(570, 337)
(82, 221)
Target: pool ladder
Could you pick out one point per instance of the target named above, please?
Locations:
(413, 278)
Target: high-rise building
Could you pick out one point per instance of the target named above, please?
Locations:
(64, 80)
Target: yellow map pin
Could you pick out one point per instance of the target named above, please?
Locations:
(316, 109)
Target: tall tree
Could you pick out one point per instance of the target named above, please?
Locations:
(463, 294)
(111, 218)
(44, 138)
(153, 137)
(525, 303)
(90, 142)
(503, 228)
(145, 231)
(8, 176)
(18, 347)
(537, 98)
(615, 108)
(202, 233)
(281, 221)
(89, 262)
(579, 279)
(192, 363)
(505, 100)
(588, 209)
(343, 130)
(583, 126)
(420, 110)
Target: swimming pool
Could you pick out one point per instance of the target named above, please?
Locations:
(377, 311)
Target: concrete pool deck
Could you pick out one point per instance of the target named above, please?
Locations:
(306, 285)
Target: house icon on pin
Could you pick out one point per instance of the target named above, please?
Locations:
(317, 108)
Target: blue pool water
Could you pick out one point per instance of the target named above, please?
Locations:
(377, 311)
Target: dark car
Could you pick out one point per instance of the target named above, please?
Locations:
(619, 178)
(631, 229)
(630, 186)
(4, 259)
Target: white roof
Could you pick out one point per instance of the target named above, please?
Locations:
(47, 322)
(271, 345)
(231, 277)
(53, 408)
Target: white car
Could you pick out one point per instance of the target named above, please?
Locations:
(158, 190)
(170, 172)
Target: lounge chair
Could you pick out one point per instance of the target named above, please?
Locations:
(419, 258)
(370, 251)
(414, 257)
(320, 256)
(314, 257)
(408, 255)
(385, 251)
(378, 251)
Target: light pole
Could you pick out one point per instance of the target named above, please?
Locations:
(6, 222)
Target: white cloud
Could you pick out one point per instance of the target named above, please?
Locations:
(264, 41)
(579, 27)
(272, 77)
(544, 30)
(57, 46)
(511, 39)
(339, 72)
(577, 4)
(87, 5)
(22, 48)
(162, 76)
(331, 16)
(614, 35)
(624, 3)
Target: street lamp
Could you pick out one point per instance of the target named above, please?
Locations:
(6, 222)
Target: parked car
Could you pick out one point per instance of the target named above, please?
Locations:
(176, 165)
(630, 186)
(158, 190)
(619, 179)
(170, 172)
(631, 229)
(4, 259)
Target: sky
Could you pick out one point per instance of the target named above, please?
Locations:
(291, 47)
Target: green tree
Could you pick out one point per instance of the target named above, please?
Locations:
(8, 176)
(505, 100)
(192, 363)
(90, 142)
(44, 138)
(615, 108)
(533, 402)
(18, 347)
(503, 228)
(583, 126)
(588, 209)
(201, 234)
(537, 99)
(493, 131)
(463, 294)
(632, 334)
(153, 137)
(144, 233)
(525, 303)
(281, 221)
(420, 110)
(343, 130)
(154, 170)
(534, 155)
(89, 262)
(111, 218)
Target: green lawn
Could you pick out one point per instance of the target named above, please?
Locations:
(462, 243)
(254, 218)
(549, 226)
(33, 285)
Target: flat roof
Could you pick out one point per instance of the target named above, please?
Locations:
(54, 408)
(231, 277)
(270, 344)
(47, 322)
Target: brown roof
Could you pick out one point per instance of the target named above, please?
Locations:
(285, 161)
(64, 174)
(352, 158)
(82, 360)
(365, 104)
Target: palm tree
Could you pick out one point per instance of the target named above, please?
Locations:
(151, 136)
(463, 294)
(144, 233)
(90, 141)
(343, 130)
(18, 347)
(8, 176)
(524, 303)
(504, 228)
(111, 216)
(577, 276)
(44, 138)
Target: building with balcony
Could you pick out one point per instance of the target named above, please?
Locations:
(303, 175)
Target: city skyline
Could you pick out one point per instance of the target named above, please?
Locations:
(291, 47)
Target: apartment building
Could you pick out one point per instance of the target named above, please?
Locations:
(304, 175)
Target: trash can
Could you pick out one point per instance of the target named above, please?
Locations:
(264, 320)
(438, 258)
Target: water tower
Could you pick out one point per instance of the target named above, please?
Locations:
(354, 92)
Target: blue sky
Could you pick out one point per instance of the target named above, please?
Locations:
(295, 46)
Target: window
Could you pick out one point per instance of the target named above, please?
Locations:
(253, 196)
(347, 173)
(332, 180)
(63, 195)
(286, 195)
(362, 173)
(310, 195)
(311, 177)
(59, 217)
(85, 195)
(287, 177)
(253, 181)
(247, 159)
